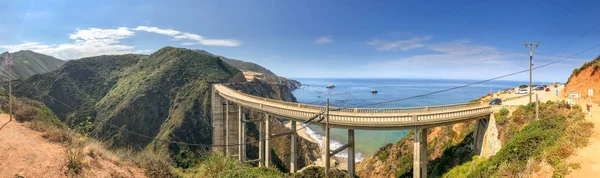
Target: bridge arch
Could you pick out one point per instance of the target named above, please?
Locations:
(417, 119)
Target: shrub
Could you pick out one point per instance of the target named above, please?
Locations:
(523, 86)
(552, 138)
(383, 156)
(319, 172)
(74, 151)
(219, 165)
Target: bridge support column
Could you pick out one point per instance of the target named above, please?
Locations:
(325, 147)
(217, 121)
(267, 140)
(325, 138)
(261, 141)
(241, 135)
(293, 148)
(227, 128)
(423, 153)
(351, 153)
(481, 126)
(489, 143)
(420, 153)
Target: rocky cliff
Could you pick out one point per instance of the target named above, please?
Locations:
(584, 78)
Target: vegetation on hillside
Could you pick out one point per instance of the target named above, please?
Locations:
(165, 95)
(526, 142)
(529, 142)
(594, 63)
(28, 63)
(267, 75)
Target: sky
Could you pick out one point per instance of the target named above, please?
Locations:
(322, 39)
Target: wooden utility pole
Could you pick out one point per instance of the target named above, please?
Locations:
(326, 143)
(9, 62)
(530, 64)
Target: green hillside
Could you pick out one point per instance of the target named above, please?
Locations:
(28, 63)
(165, 95)
(249, 66)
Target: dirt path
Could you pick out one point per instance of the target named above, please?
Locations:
(589, 157)
(24, 152)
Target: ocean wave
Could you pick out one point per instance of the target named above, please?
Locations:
(333, 144)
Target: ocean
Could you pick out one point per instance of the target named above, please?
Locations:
(356, 92)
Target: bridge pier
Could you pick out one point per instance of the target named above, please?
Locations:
(293, 148)
(481, 126)
(267, 150)
(351, 153)
(487, 142)
(227, 128)
(261, 141)
(420, 153)
(217, 121)
(241, 135)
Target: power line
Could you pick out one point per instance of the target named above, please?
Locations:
(150, 137)
(474, 83)
(318, 114)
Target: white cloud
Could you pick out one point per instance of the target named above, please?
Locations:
(87, 42)
(95, 41)
(456, 59)
(324, 40)
(192, 39)
(105, 35)
(169, 32)
(401, 45)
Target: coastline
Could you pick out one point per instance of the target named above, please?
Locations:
(340, 162)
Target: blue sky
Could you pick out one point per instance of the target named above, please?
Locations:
(323, 39)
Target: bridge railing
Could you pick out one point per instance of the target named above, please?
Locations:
(368, 110)
(516, 97)
(351, 116)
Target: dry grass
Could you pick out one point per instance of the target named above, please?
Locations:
(75, 155)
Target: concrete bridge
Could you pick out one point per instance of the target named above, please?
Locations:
(228, 120)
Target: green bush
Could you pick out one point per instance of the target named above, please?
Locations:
(553, 138)
(319, 172)
(218, 165)
(383, 156)
(502, 116)
(523, 86)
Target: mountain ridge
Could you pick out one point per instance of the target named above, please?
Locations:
(27, 63)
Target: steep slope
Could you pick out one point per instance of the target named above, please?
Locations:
(165, 95)
(447, 147)
(584, 78)
(28, 63)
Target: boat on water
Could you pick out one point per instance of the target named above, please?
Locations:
(330, 85)
(373, 91)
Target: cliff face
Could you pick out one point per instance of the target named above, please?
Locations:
(584, 78)
(447, 147)
(306, 150)
(255, 71)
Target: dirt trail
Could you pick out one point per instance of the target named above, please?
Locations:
(26, 153)
(589, 157)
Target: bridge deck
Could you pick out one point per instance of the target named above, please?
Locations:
(362, 118)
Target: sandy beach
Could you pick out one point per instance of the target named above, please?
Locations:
(342, 163)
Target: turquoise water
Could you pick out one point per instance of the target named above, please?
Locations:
(356, 92)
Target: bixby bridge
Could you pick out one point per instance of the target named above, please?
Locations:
(228, 118)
